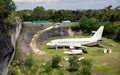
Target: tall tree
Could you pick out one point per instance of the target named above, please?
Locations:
(6, 7)
(25, 15)
(39, 13)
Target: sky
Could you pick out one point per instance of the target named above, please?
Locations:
(66, 4)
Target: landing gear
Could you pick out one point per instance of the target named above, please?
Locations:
(56, 47)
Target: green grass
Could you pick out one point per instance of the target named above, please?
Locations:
(102, 64)
(94, 53)
(107, 69)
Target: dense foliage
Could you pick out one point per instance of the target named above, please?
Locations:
(109, 18)
(39, 13)
(88, 19)
(6, 7)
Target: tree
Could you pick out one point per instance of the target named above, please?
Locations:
(117, 37)
(50, 14)
(108, 14)
(39, 13)
(92, 24)
(25, 15)
(6, 7)
(109, 30)
(87, 25)
(83, 23)
(58, 15)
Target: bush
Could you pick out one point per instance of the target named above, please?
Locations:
(73, 63)
(61, 71)
(29, 62)
(48, 67)
(55, 61)
(86, 68)
(14, 68)
(86, 63)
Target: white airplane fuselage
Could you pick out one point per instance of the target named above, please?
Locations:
(77, 42)
(71, 42)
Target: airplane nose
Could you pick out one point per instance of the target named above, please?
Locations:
(48, 44)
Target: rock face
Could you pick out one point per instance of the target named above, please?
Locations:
(60, 31)
(8, 37)
(52, 33)
(24, 42)
(40, 34)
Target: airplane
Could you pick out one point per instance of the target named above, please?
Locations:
(77, 42)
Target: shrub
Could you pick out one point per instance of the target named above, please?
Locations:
(73, 63)
(86, 63)
(48, 67)
(55, 61)
(14, 68)
(86, 68)
(29, 62)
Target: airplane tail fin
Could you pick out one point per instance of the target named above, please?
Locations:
(98, 33)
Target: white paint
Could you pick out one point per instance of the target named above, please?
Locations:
(77, 42)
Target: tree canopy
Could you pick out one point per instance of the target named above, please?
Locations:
(6, 7)
(88, 19)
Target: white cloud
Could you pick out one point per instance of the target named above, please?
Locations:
(35, 1)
